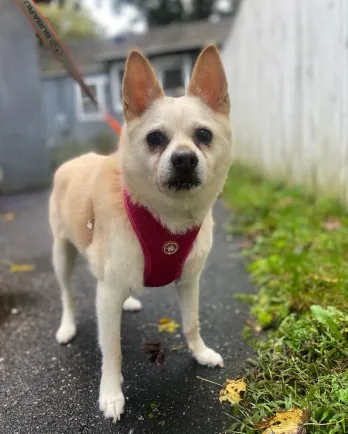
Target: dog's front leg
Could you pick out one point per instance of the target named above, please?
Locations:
(188, 291)
(109, 312)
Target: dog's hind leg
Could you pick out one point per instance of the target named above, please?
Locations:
(64, 256)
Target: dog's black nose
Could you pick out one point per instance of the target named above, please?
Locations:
(184, 160)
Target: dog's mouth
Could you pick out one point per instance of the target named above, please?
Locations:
(183, 183)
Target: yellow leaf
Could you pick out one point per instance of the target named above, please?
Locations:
(232, 391)
(286, 201)
(286, 422)
(21, 268)
(167, 325)
(8, 217)
(325, 279)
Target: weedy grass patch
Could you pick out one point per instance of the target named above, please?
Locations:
(297, 250)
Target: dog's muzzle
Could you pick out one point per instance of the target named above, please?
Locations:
(184, 170)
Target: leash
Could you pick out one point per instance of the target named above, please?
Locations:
(52, 42)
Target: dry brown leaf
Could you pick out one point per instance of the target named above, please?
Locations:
(257, 328)
(246, 244)
(154, 350)
(8, 217)
(332, 224)
(286, 422)
(21, 268)
(167, 325)
(232, 391)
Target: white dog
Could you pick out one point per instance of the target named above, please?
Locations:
(143, 215)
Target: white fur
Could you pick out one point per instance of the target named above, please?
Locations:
(109, 310)
(119, 270)
(64, 255)
(145, 174)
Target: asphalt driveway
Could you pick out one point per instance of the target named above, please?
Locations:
(49, 389)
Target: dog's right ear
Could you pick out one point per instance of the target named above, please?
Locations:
(140, 86)
(208, 81)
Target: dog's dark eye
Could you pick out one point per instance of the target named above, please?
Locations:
(203, 136)
(156, 139)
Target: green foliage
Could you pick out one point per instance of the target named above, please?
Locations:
(301, 365)
(69, 22)
(296, 261)
(164, 12)
(327, 317)
(298, 251)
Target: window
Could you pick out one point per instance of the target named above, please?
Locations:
(173, 82)
(87, 105)
(120, 80)
(86, 110)
(173, 73)
(117, 73)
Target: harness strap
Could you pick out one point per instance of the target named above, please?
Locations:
(165, 253)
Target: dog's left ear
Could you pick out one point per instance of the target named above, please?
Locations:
(209, 82)
(140, 86)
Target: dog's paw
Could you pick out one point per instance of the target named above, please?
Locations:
(112, 405)
(209, 357)
(66, 333)
(132, 304)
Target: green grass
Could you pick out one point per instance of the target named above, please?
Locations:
(297, 246)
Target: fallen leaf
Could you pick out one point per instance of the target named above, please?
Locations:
(232, 391)
(8, 217)
(251, 238)
(286, 422)
(177, 347)
(257, 328)
(246, 244)
(21, 268)
(286, 201)
(167, 325)
(332, 224)
(324, 279)
(155, 351)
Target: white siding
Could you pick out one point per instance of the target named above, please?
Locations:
(287, 66)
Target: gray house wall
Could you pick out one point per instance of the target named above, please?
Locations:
(60, 98)
(24, 160)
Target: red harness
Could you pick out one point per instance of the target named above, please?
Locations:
(164, 253)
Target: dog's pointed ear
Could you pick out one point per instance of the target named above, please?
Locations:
(209, 82)
(140, 86)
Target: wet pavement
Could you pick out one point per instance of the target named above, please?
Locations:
(49, 389)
